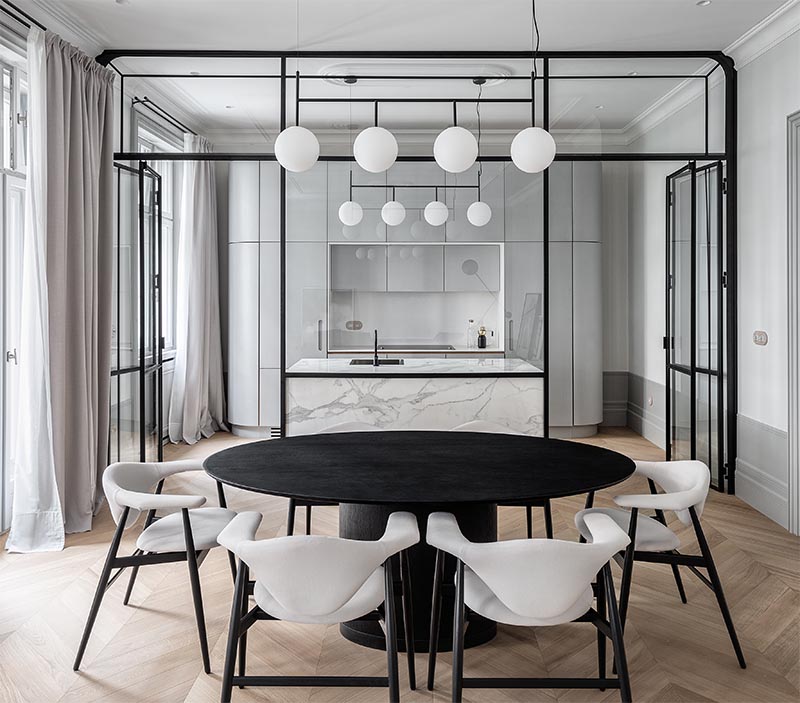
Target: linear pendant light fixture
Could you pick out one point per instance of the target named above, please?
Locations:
(455, 149)
(479, 213)
(375, 148)
(533, 149)
(350, 212)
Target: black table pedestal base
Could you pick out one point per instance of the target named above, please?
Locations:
(478, 522)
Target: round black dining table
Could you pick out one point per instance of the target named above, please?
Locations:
(372, 474)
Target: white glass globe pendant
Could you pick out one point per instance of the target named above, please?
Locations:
(393, 213)
(350, 213)
(479, 213)
(436, 213)
(375, 149)
(533, 150)
(297, 149)
(455, 149)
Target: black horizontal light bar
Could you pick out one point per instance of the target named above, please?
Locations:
(578, 156)
(414, 185)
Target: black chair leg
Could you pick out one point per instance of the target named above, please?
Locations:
(233, 634)
(679, 582)
(601, 638)
(100, 591)
(243, 635)
(131, 581)
(197, 597)
(436, 605)
(620, 660)
(391, 634)
(232, 562)
(718, 592)
(458, 634)
(408, 618)
(290, 516)
(627, 569)
(308, 519)
(529, 520)
(548, 519)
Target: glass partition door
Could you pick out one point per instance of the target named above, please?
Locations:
(695, 318)
(137, 335)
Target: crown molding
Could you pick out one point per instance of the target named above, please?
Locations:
(56, 16)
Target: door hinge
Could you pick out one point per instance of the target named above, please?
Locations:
(671, 198)
(725, 279)
(157, 280)
(670, 281)
(11, 355)
(666, 342)
(724, 186)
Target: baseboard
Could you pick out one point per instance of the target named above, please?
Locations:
(615, 399)
(649, 426)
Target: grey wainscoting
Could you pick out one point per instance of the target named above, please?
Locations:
(762, 468)
(646, 406)
(615, 398)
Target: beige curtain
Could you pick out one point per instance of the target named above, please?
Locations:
(80, 221)
(70, 300)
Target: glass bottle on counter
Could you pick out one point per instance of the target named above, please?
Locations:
(472, 332)
(482, 338)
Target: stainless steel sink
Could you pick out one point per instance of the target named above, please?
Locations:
(381, 362)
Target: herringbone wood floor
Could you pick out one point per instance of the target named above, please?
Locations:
(148, 651)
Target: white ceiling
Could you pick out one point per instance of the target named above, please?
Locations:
(217, 106)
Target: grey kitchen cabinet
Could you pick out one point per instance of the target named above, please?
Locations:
(472, 267)
(415, 268)
(358, 267)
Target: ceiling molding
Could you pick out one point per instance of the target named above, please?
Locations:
(77, 32)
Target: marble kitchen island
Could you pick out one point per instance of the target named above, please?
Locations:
(434, 394)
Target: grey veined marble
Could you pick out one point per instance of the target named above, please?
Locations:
(406, 403)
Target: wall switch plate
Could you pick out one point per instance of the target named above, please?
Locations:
(760, 338)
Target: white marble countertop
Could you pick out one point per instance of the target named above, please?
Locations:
(412, 367)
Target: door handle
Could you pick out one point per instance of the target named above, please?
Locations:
(319, 335)
(511, 335)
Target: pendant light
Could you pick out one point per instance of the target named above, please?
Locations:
(297, 148)
(533, 149)
(393, 213)
(375, 148)
(350, 212)
(455, 149)
(436, 212)
(479, 213)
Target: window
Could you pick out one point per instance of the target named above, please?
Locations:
(14, 118)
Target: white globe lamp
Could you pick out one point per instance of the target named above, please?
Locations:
(479, 213)
(350, 213)
(533, 150)
(393, 213)
(297, 149)
(455, 149)
(436, 213)
(375, 149)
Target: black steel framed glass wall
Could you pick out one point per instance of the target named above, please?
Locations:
(601, 107)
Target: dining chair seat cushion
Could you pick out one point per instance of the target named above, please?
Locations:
(651, 535)
(479, 598)
(365, 600)
(166, 533)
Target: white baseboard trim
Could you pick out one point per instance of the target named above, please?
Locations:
(762, 491)
(652, 429)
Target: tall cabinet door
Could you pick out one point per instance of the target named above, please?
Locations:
(243, 351)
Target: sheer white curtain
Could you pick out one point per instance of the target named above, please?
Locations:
(61, 446)
(197, 403)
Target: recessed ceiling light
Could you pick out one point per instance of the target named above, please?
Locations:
(230, 107)
(633, 73)
(599, 107)
(703, 3)
(123, 2)
(194, 73)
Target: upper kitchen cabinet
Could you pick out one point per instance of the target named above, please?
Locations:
(415, 268)
(414, 198)
(306, 204)
(587, 198)
(243, 201)
(562, 201)
(458, 228)
(358, 267)
(523, 206)
(472, 267)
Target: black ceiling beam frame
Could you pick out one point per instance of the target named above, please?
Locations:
(162, 114)
(19, 15)
(728, 155)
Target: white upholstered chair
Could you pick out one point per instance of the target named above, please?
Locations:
(314, 580)
(494, 428)
(531, 583)
(186, 534)
(685, 485)
(295, 503)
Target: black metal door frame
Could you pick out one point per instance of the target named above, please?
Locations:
(693, 369)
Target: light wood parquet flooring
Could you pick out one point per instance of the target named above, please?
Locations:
(148, 651)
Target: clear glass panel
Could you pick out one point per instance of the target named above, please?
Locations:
(681, 271)
(681, 405)
(8, 118)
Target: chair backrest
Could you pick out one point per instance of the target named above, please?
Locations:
(536, 578)
(349, 427)
(483, 426)
(140, 477)
(688, 480)
(316, 575)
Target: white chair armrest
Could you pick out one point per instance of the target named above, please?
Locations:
(241, 529)
(156, 501)
(604, 530)
(681, 500)
(170, 468)
(402, 532)
(445, 534)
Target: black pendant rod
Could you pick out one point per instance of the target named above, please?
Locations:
(297, 98)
